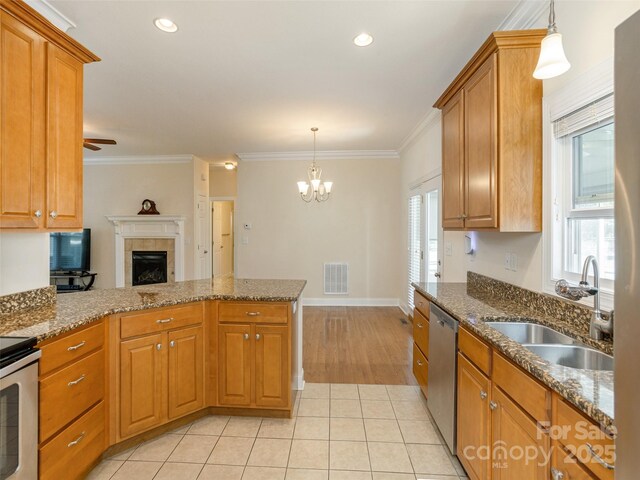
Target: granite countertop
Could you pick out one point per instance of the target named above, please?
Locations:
(70, 311)
(588, 390)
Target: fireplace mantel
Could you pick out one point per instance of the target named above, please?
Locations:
(148, 226)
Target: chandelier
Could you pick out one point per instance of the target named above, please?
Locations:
(319, 190)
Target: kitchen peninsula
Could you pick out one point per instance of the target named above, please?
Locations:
(122, 365)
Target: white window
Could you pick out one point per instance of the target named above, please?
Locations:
(415, 245)
(583, 194)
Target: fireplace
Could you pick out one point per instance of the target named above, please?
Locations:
(148, 267)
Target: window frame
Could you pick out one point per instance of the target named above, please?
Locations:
(595, 84)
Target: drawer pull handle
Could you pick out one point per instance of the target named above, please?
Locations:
(483, 394)
(556, 474)
(598, 458)
(75, 382)
(76, 441)
(493, 405)
(76, 347)
(252, 314)
(164, 320)
(419, 325)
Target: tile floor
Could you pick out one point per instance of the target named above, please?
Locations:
(354, 432)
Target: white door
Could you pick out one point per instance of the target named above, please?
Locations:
(226, 245)
(216, 238)
(202, 238)
(433, 232)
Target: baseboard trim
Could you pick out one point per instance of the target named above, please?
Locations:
(351, 302)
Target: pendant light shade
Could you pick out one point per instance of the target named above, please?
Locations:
(552, 61)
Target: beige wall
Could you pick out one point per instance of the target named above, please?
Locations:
(24, 261)
(359, 224)
(222, 182)
(120, 190)
(587, 29)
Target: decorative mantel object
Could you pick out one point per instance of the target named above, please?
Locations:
(148, 208)
(156, 226)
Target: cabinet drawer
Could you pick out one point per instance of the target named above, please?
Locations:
(421, 332)
(158, 320)
(68, 349)
(475, 350)
(584, 439)
(420, 369)
(241, 312)
(569, 467)
(67, 393)
(421, 303)
(70, 453)
(532, 397)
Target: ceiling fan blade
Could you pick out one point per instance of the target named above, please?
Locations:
(101, 141)
(91, 147)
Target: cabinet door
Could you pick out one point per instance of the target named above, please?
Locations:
(453, 162)
(273, 370)
(141, 385)
(186, 371)
(474, 420)
(234, 364)
(64, 140)
(520, 449)
(481, 142)
(22, 125)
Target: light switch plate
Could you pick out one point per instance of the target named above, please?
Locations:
(448, 249)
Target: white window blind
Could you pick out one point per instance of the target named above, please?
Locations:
(586, 116)
(414, 247)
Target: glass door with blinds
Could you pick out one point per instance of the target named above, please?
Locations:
(425, 235)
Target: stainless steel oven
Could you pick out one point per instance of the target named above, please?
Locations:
(18, 408)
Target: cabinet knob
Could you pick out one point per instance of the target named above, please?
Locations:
(419, 363)
(246, 336)
(172, 343)
(493, 405)
(257, 336)
(464, 215)
(420, 325)
(483, 394)
(159, 346)
(37, 213)
(53, 214)
(556, 474)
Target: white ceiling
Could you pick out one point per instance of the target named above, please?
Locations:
(242, 76)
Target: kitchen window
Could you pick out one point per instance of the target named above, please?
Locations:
(583, 192)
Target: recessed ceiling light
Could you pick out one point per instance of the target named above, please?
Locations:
(363, 40)
(165, 25)
(229, 165)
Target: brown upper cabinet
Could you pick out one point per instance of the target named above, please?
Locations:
(492, 138)
(41, 122)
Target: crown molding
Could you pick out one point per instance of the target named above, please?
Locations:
(51, 13)
(139, 160)
(425, 122)
(325, 155)
(524, 15)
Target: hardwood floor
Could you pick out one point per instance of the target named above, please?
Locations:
(357, 345)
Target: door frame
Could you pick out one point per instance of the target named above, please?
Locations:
(235, 250)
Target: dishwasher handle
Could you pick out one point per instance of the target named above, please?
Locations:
(442, 318)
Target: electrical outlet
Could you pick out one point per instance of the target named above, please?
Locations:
(448, 249)
(514, 262)
(507, 261)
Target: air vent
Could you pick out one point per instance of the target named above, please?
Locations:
(336, 279)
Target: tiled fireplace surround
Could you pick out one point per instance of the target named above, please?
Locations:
(149, 245)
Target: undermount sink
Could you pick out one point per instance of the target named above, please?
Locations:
(532, 333)
(574, 356)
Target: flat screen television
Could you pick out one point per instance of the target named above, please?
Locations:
(70, 252)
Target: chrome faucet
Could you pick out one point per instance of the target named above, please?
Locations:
(599, 325)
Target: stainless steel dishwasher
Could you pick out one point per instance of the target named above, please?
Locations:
(443, 369)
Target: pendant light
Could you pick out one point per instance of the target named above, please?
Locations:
(319, 190)
(552, 61)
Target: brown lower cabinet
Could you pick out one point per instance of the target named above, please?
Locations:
(503, 414)
(254, 365)
(421, 341)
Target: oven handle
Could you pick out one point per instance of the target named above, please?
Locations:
(23, 362)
